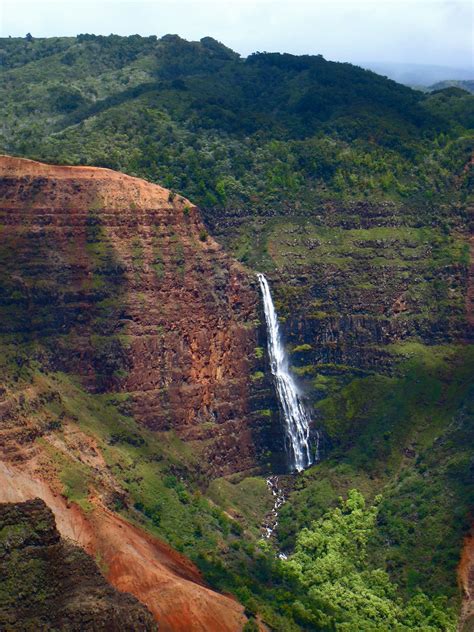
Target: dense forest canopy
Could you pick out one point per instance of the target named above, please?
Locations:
(200, 119)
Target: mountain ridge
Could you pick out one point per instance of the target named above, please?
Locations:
(185, 92)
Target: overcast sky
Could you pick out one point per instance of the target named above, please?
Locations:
(417, 31)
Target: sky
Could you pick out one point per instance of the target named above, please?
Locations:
(435, 32)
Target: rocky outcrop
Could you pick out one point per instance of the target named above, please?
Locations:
(48, 583)
(133, 561)
(116, 280)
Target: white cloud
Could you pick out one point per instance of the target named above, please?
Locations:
(421, 31)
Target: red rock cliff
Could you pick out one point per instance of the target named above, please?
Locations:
(118, 280)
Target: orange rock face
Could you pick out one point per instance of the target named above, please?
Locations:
(114, 280)
(119, 281)
(134, 562)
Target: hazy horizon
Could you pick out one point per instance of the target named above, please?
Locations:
(418, 32)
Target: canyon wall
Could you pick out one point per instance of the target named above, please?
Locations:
(123, 324)
(352, 278)
(116, 280)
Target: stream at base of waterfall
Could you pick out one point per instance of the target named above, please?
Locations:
(295, 415)
(279, 497)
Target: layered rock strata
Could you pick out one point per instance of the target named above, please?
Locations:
(116, 280)
(352, 278)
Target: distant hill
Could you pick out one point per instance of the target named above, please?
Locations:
(198, 118)
(418, 74)
(468, 86)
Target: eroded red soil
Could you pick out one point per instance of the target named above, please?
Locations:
(133, 561)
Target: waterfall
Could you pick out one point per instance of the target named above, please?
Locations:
(295, 414)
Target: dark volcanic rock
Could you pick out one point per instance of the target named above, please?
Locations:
(49, 584)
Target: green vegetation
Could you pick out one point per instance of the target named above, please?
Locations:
(302, 348)
(409, 437)
(195, 117)
(159, 480)
(341, 591)
(350, 191)
(160, 488)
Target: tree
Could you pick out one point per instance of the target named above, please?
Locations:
(343, 592)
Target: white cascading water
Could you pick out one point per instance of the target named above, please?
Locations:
(295, 415)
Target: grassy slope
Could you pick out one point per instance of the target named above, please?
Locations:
(152, 479)
(156, 481)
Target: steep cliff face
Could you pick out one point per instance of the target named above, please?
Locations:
(351, 278)
(48, 583)
(131, 374)
(115, 280)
